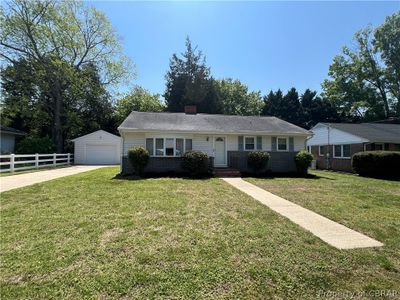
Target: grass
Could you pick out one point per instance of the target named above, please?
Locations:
(92, 236)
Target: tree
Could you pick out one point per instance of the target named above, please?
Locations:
(60, 38)
(317, 109)
(287, 107)
(189, 82)
(235, 98)
(365, 82)
(138, 99)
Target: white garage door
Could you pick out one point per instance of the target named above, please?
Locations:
(101, 154)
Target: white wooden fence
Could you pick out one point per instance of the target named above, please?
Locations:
(17, 162)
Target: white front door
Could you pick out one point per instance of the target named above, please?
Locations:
(220, 153)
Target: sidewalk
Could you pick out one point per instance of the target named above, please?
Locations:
(333, 233)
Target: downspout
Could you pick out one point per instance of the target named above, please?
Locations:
(328, 152)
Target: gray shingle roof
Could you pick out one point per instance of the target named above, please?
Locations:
(6, 129)
(374, 132)
(205, 123)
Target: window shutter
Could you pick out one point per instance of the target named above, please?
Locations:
(240, 143)
(291, 143)
(273, 143)
(259, 143)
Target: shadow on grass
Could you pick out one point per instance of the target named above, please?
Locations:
(165, 175)
(284, 175)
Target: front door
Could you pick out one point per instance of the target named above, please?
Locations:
(220, 153)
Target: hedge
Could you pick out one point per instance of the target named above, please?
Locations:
(303, 161)
(195, 163)
(139, 158)
(377, 163)
(257, 160)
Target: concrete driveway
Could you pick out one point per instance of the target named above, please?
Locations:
(16, 181)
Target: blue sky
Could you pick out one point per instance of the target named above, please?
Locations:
(266, 45)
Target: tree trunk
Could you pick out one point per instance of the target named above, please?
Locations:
(57, 103)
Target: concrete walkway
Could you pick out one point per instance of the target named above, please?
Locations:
(16, 181)
(333, 233)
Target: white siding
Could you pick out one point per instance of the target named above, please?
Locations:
(96, 138)
(132, 140)
(299, 143)
(201, 142)
(336, 136)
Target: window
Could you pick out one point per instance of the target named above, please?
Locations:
(338, 150)
(188, 144)
(309, 149)
(150, 146)
(249, 143)
(159, 147)
(379, 147)
(282, 144)
(321, 150)
(341, 151)
(179, 147)
(169, 147)
(346, 151)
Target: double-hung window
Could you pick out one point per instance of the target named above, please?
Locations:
(321, 150)
(168, 147)
(341, 151)
(282, 144)
(249, 143)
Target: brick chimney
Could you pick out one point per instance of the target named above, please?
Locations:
(190, 109)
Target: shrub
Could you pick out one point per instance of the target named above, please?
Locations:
(377, 163)
(303, 161)
(257, 160)
(195, 162)
(139, 158)
(34, 144)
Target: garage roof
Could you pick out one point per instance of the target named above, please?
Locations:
(97, 132)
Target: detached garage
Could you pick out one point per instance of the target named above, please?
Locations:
(97, 148)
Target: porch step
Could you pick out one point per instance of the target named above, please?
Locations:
(226, 172)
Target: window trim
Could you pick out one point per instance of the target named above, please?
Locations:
(287, 143)
(341, 152)
(254, 142)
(319, 150)
(164, 146)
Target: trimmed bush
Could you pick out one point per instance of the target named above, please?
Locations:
(139, 158)
(257, 160)
(195, 162)
(303, 161)
(377, 163)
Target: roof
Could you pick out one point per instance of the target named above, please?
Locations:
(103, 132)
(374, 132)
(5, 129)
(206, 123)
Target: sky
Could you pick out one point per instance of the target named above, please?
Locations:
(266, 45)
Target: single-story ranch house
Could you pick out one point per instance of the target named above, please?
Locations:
(333, 145)
(226, 139)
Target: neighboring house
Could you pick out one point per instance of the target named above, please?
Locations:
(333, 145)
(226, 139)
(97, 148)
(7, 138)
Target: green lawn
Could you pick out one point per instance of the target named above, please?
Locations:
(93, 236)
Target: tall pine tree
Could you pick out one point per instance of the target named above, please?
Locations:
(189, 82)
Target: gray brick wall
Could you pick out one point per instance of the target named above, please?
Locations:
(279, 162)
(158, 165)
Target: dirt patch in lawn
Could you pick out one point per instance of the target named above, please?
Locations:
(109, 235)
